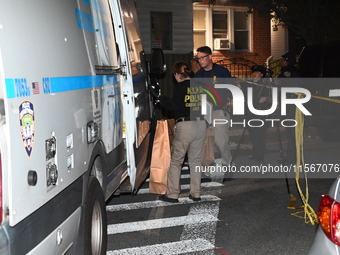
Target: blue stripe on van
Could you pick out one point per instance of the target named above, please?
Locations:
(18, 87)
(10, 88)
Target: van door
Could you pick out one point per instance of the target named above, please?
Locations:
(139, 96)
(127, 89)
(141, 90)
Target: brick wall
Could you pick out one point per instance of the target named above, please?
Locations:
(260, 35)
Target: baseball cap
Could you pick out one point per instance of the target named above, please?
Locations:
(259, 68)
(290, 58)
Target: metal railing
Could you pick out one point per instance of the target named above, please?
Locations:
(239, 67)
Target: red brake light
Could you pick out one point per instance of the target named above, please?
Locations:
(329, 217)
(0, 190)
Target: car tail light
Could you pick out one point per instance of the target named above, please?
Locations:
(329, 217)
(0, 190)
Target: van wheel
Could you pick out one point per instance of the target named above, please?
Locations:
(98, 172)
(95, 219)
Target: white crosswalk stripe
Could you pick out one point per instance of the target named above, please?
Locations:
(157, 203)
(202, 215)
(182, 247)
(187, 186)
(159, 223)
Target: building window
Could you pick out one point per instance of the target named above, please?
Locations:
(222, 28)
(241, 31)
(161, 30)
(200, 29)
(220, 24)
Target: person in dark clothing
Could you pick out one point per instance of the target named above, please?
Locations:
(195, 66)
(287, 64)
(288, 70)
(261, 101)
(214, 71)
(190, 129)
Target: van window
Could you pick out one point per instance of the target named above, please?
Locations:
(105, 40)
(94, 18)
(133, 35)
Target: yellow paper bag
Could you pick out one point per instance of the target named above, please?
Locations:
(160, 159)
(208, 153)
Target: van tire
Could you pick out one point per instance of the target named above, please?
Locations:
(95, 219)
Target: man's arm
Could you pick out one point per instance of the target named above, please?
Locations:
(222, 72)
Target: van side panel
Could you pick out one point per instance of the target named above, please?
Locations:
(34, 229)
(51, 91)
(76, 108)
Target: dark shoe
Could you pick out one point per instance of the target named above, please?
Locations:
(168, 199)
(195, 198)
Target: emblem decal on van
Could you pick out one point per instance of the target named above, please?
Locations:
(27, 125)
(21, 88)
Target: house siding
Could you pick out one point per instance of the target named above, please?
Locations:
(182, 12)
(182, 38)
(182, 15)
(279, 42)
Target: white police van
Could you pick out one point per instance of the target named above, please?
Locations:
(75, 117)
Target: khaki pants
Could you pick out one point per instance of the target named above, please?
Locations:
(189, 138)
(222, 136)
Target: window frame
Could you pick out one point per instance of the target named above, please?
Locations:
(209, 40)
(168, 44)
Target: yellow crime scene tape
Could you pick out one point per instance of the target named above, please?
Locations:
(309, 214)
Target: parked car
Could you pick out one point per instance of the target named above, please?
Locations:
(322, 61)
(327, 238)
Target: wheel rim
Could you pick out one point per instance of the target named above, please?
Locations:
(97, 229)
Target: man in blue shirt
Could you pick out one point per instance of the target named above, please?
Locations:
(214, 71)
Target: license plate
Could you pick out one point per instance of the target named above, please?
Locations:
(334, 93)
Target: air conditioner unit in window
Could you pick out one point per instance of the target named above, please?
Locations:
(221, 44)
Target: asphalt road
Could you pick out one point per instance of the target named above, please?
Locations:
(240, 216)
